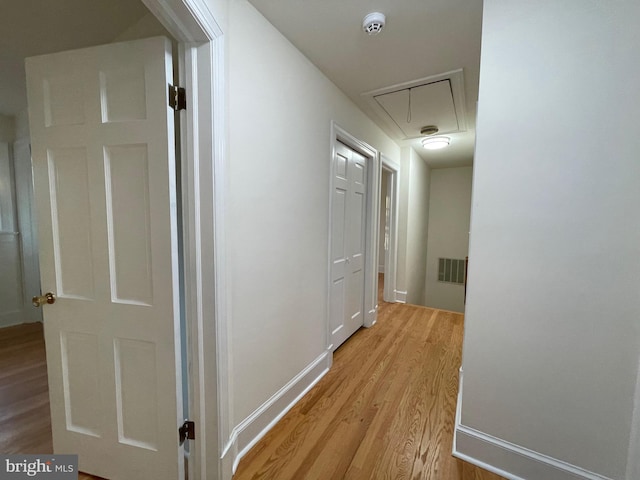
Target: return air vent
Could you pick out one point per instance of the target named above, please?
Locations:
(451, 270)
(407, 107)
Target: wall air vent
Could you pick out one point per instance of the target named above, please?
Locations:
(451, 270)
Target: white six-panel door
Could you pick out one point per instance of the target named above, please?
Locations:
(348, 227)
(104, 171)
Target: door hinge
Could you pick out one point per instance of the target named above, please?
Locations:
(177, 98)
(187, 431)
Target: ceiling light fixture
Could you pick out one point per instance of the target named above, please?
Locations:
(435, 143)
(373, 23)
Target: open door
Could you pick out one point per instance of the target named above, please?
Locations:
(104, 173)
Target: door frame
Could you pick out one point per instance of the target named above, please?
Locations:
(203, 128)
(391, 255)
(22, 175)
(203, 136)
(372, 220)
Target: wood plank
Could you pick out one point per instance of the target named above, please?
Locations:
(384, 411)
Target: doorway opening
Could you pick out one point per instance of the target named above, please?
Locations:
(198, 40)
(388, 230)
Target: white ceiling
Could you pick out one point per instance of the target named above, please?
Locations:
(34, 27)
(422, 38)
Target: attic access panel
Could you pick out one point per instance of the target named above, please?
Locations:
(413, 108)
(437, 100)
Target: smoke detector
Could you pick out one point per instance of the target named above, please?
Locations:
(373, 23)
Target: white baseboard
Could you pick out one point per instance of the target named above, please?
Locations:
(508, 460)
(255, 426)
(371, 317)
(633, 458)
(401, 297)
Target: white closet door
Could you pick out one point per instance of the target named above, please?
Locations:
(347, 243)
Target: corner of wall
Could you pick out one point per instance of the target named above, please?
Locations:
(416, 229)
(248, 432)
(403, 206)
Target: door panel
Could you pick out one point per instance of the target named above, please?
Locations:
(104, 174)
(128, 224)
(347, 243)
(71, 215)
(80, 374)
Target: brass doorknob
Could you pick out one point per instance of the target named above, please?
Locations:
(38, 301)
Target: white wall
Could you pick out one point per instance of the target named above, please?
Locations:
(7, 198)
(384, 179)
(11, 298)
(147, 26)
(449, 214)
(552, 329)
(19, 279)
(280, 109)
(413, 220)
(7, 128)
(22, 125)
(403, 215)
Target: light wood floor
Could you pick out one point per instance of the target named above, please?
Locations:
(385, 410)
(25, 425)
(24, 394)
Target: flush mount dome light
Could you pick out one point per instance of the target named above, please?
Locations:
(435, 143)
(373, 23)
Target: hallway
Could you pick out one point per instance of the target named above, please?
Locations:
(384, 410)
